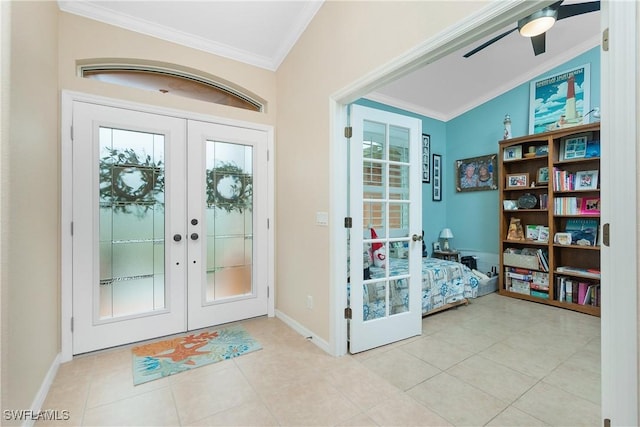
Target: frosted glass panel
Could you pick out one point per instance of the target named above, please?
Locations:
(229, 213)
(131, 228)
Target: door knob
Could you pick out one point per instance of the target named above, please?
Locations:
(194, 221)
(416, 238)
(177, 237)
(194, 236)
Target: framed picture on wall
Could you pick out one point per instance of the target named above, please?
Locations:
(437, 177)
(426, 156)
(560, 100)
(477, 173)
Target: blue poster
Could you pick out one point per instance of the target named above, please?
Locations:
(559, 101)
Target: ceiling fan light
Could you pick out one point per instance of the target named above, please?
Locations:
(538, 22)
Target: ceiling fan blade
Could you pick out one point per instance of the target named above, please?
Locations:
(539, 43)
(570, 10)
(485, 44)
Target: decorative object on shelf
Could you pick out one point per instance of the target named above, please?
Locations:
(550, 110)
(562, 238)
(587, 180)
(542, 150)
(446, 235)
(543, 175)
(426, 156)
(593, 148)
(527, 201)
(574, 146)
(531, 153)
(517, 180)
(512, 153)
(437, 177)
(515, 232)
(477, 173)
(507, 127)
(510, 205)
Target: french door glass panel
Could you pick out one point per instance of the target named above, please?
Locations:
(385, 202)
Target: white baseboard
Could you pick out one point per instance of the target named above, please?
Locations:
(322, 344)
(38, 401)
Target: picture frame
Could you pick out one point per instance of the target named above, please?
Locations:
(436, 162)
(586, 180)
(590, 206)
(477, 173)
(574, 146)
(517, 180)
(436, 246)
(510, 205)
(426, 157)
(562, 238)
(512, 153)
(560, 100)
(542, 150)
(543, 175)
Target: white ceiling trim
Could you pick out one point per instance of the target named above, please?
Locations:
(108, 16)
(557, 60)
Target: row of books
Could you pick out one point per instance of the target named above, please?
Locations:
(577, 292)
(568, 181)
(576, 206)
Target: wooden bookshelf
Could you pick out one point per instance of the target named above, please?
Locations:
(569, 199)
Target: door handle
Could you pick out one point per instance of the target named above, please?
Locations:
(416, 238)
(194, 236)
(177, 237)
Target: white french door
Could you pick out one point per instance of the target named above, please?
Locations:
(385, 205)
(169, 225)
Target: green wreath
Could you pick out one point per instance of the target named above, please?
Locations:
(229, 188)
(116, 192)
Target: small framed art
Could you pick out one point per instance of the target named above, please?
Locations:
(437, 177)
(512, 153)
(477, 173)
(426, 157)
(587, 180)
(574, 147)
(590, 206)
(517, 180)
(543, 175)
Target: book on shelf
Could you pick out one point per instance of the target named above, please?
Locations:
(576, 292)
(533, 232)
(584, 231)
(587, 272)
(539, 294)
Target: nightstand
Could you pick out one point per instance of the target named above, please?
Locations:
(448, 255)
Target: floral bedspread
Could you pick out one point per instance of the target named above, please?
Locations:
(443, 282)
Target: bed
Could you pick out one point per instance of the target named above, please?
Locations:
(445, 284)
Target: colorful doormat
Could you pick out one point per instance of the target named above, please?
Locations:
(174, 355)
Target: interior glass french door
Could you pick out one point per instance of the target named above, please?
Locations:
(165, 236)
(385, 240)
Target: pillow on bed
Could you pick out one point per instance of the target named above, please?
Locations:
(378, 252)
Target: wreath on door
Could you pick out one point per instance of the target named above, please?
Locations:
(229, 188)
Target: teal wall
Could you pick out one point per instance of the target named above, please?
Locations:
(473, 216)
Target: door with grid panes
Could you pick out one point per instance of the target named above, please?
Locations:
(385, 242)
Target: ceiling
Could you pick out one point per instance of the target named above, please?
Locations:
(261, 33)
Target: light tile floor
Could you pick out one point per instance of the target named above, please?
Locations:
(496, 362)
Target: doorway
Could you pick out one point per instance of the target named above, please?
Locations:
(169, 225)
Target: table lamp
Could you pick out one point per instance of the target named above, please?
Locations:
(445, 235)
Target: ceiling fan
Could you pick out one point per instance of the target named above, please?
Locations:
(536, 24)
